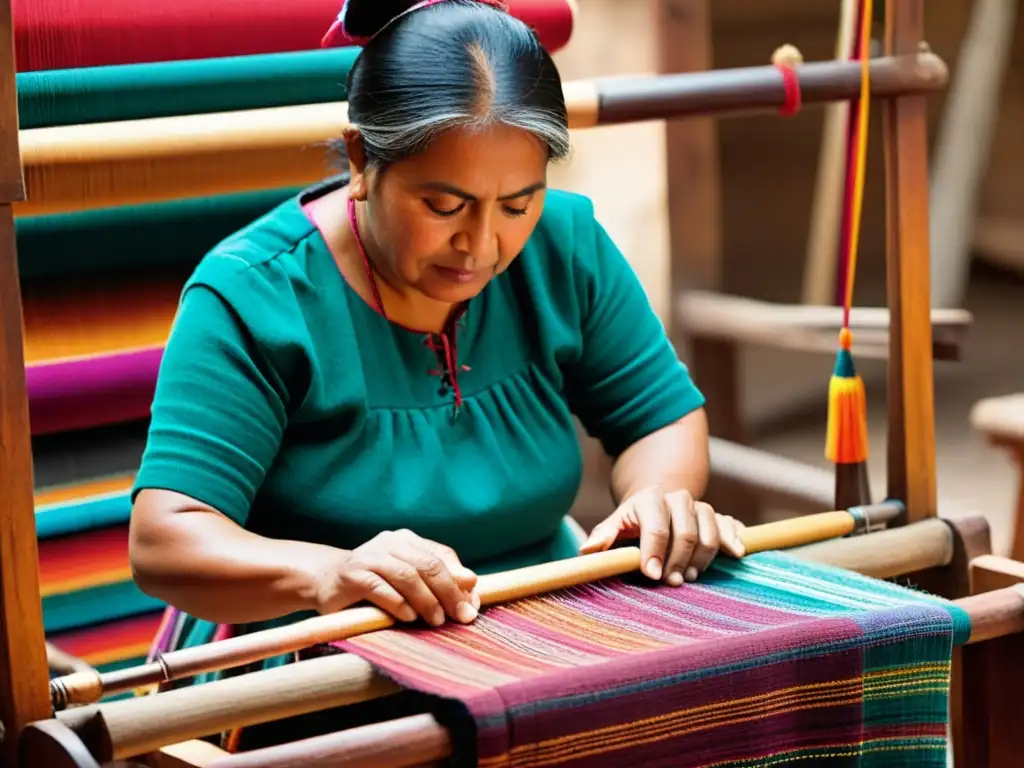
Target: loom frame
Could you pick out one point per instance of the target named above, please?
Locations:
(910, 451)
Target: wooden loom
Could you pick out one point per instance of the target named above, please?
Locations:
(949, 558)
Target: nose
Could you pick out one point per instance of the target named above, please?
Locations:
(477, 238)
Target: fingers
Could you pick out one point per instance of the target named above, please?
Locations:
(686, 536)
(361, 583)
(430, 587)
(708, 541)
(601, 538)
(409, 576)
(653, 514)
(465, 578)
(730, 530)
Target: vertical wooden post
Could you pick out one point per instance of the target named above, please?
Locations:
(23, 672)
(911, 448)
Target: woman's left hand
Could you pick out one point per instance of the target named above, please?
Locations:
(679, 536)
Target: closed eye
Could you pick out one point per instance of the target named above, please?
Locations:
(444, 211)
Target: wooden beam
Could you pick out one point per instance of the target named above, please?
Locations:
(24, 690)
(911, 433)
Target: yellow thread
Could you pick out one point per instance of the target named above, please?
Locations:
(692, 720)
(778, 758)
(862, 140)
(571, 753)
(726, 713)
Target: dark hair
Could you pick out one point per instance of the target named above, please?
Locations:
(457, 63)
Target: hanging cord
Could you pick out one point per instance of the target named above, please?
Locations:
(859, 147)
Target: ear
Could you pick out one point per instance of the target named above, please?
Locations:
(356, 152)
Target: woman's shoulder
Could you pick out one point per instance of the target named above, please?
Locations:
(567, 220)
(271, 252)
(263, 283)
(570, 252)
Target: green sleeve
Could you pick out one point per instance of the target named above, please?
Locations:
(219, 409)
(628, 381)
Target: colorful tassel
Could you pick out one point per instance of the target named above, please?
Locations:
(847, 437)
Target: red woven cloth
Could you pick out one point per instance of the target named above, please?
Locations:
(65, 34)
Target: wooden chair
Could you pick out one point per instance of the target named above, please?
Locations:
(1001, 421)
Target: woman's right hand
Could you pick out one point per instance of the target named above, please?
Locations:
(404, 574)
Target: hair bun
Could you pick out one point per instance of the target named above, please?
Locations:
(365, 18)
(361, 20)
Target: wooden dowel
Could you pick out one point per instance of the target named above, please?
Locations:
(809, 328)
(412, 741)
(64, 663)
(887, 554)
(774, 477)
(600, 101)
(993, 614)
(796, 530)
(744, 90)
(144, 724)
(89, 687)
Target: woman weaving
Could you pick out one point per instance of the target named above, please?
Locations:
(369, 393)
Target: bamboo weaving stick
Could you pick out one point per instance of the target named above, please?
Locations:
(89, 687)
(131, 162)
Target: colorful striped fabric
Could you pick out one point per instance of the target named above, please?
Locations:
(90, 559)
(767, 661)
(111, 642)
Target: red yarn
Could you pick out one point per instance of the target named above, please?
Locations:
(791, 86)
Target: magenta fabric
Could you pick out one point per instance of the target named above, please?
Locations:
(89, 392)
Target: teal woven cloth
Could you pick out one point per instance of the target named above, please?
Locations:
(166, 89)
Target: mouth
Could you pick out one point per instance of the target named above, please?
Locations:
(457, 275)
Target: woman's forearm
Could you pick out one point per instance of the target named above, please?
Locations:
(674, 458)
(204, 564)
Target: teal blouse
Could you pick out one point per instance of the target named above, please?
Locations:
(288, 403)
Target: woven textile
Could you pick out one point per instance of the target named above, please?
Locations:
(768, 661)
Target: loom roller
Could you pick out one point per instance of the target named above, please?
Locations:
(89, 687)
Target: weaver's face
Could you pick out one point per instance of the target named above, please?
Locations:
(453, 217)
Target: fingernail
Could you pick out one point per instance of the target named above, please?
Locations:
(406, 613)
(437, 617)
(465, 612)
(691, 574)
(475, 599)
(740, 549)
(654, 568)
(675, 579)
